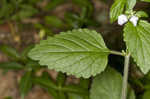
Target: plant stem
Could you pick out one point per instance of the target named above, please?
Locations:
(117, 53)
(125, 77)
(15, 36)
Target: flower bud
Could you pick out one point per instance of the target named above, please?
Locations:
(122, 19)
(134, 20)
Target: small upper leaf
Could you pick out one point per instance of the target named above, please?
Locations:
(130, 4)
(138, 43)
(117, 9)
(108, 85)
(141, 14)
(79, 52)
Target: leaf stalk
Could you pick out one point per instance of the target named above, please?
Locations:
(117, 53)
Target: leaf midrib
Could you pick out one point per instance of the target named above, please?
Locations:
(102, 52)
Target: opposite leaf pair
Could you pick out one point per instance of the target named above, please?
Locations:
(122, 19)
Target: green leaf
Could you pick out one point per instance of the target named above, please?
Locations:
(85, 4)
(9, 97)
(41, 27)
(61, 78)
(45, 82)
(84, 83)
(146, 95)
(141, 14)
(117, 9)
(138, 43)
(130, 4)
(74, 96)
(11, 52)
(54, 21)
(52, 92)
(32, 65)
(108, 85)
(46, 75)
(62, 95)
(7, 8)
(53, 4)
(11, 66)
(25, 52)
(75, 89)
(82, 2)
(146, 0)
(80, 52)
(25, 11)
(25, 83)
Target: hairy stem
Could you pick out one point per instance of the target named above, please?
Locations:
(125, 77)
(117, 53)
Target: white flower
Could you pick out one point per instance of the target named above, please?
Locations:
(134, 20)
(122, 19)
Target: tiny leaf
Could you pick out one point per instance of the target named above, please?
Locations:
(138, 43)
(141, 14)
(80, 52)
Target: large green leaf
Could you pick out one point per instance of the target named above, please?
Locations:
(117, 9)
(80, 52)
(138, 43)
(108, 85)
